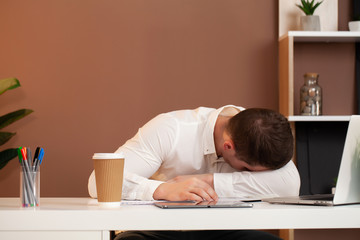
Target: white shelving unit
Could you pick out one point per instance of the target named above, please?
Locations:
(286, 78)
(318, 36)
(324, 118)
(286, 67)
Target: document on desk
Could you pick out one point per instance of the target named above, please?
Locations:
(152, 202)
(205, 204)
(222, 202)
(137, 202)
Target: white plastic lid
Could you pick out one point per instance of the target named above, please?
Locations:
(108, 155)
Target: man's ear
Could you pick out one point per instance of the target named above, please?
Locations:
(228, 145)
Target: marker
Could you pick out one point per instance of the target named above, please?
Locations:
(28, 156)
(41, 155)
(36, 159)
(25, 198)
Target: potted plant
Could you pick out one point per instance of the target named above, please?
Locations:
(309, 22)
(7, 119)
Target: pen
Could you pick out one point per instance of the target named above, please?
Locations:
(39, 154)
(36, 158)
(28, 157)
(25, 198)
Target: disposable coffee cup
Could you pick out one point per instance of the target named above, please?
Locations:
(109, 170)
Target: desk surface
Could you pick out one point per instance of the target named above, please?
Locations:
(85, 214)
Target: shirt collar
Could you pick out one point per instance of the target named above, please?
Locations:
(208, 137)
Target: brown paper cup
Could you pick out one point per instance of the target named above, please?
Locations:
(109, 169)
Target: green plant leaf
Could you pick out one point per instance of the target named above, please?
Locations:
(5, 136)
(308, 7)
(8, 83)
(9, 118)
(6, 156)
(316, 5)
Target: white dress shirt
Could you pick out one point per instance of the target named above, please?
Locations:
(182, 143)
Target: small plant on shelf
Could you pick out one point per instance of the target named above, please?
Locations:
(309, 22)
(308, 7)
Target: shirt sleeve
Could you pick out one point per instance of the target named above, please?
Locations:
(281, 182)
(144, 154)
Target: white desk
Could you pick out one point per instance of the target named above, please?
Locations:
(82, 218)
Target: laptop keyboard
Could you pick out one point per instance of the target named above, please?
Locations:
(325, 197)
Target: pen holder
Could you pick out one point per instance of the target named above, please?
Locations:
(30, 187)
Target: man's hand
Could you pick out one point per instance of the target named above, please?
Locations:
(186, 188)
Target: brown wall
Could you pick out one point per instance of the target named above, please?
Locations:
(94, 71)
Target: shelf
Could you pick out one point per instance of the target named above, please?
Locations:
(287, 84)
(318, 36)
(324, 118)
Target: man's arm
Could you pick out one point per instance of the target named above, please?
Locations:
(281, 182)
(144, 155)
(187, 188)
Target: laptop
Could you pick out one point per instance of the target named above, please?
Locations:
(348, 183)
(221, 203)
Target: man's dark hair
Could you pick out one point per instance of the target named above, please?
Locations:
(261, 137)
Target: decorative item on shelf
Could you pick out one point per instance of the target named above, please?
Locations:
(354, 25)
(309, 22)
(311, 96)
(290, 13)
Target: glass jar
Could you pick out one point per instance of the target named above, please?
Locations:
(311, 96)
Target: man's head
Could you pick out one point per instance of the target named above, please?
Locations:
(261, 138)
